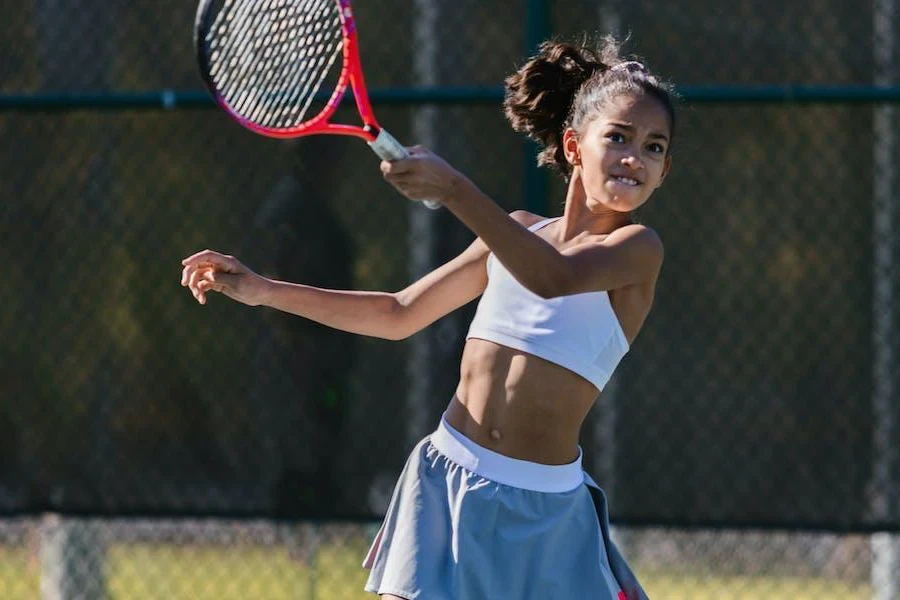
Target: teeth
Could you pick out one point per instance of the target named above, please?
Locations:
(627, 180)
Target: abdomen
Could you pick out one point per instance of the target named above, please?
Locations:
(518, 404)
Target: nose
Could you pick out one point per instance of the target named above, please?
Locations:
(632, 161)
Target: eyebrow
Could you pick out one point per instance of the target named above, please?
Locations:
(627, 127)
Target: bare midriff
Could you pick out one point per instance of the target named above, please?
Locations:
(519, 405)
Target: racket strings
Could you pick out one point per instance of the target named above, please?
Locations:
(269, 58)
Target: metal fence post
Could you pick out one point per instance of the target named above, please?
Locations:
(73, 559)
(422, 224)
(885, 574)
(72, 552)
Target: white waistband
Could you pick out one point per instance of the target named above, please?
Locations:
(503, 469)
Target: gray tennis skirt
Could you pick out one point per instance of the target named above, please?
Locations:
(466, 523)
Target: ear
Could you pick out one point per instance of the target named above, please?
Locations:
(666, 168)
(571, 147)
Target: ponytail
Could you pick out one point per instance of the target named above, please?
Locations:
(539, 95)
(563, 84)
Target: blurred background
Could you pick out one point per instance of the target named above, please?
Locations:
(153, 448)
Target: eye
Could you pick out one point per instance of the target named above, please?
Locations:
(616, 137)
(657, 148)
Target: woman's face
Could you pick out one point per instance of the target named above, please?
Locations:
(622, 155)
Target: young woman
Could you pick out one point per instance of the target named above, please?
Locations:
(494, 503)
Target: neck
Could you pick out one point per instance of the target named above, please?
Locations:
(578, 219)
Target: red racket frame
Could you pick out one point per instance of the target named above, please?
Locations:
(381, 142)
(351, 76)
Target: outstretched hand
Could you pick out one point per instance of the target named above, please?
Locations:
(424, 175)
(210, 271)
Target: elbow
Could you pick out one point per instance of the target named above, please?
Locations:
(397, 322)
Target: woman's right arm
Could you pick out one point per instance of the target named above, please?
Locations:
(386, 315)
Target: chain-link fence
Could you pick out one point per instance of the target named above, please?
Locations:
(749, 441)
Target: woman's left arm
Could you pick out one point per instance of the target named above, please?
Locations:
(630, 255)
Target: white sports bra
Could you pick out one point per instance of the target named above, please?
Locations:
(579, 332)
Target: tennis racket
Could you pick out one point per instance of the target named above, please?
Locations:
(280, 68)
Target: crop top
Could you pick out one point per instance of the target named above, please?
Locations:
(579, 332)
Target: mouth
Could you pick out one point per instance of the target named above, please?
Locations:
(630, 181)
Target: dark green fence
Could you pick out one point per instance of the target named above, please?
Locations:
(749, 442)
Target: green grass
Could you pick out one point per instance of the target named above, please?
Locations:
(670, 586)
(18, 575)
(153, 572)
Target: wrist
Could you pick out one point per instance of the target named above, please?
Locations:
(458, 188)
(267, 291)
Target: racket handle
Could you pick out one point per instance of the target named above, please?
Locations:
(387, 147)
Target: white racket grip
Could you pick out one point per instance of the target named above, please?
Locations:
(387, 147)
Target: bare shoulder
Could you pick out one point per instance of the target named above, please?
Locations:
(635, 252)
(637, 238)
(525, 218)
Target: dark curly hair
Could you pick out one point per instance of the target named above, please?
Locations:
(564, 85)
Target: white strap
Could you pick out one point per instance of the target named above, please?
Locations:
(542, 223)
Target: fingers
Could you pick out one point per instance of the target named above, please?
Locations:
(202, 281)
(207, 284)
(416, 186)
(408, 164)
(200, 272)
(197, 275)
(190, 275)
(407, 186)
(208, 260)
(211, 257)
(394, 168)
(402, 173)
